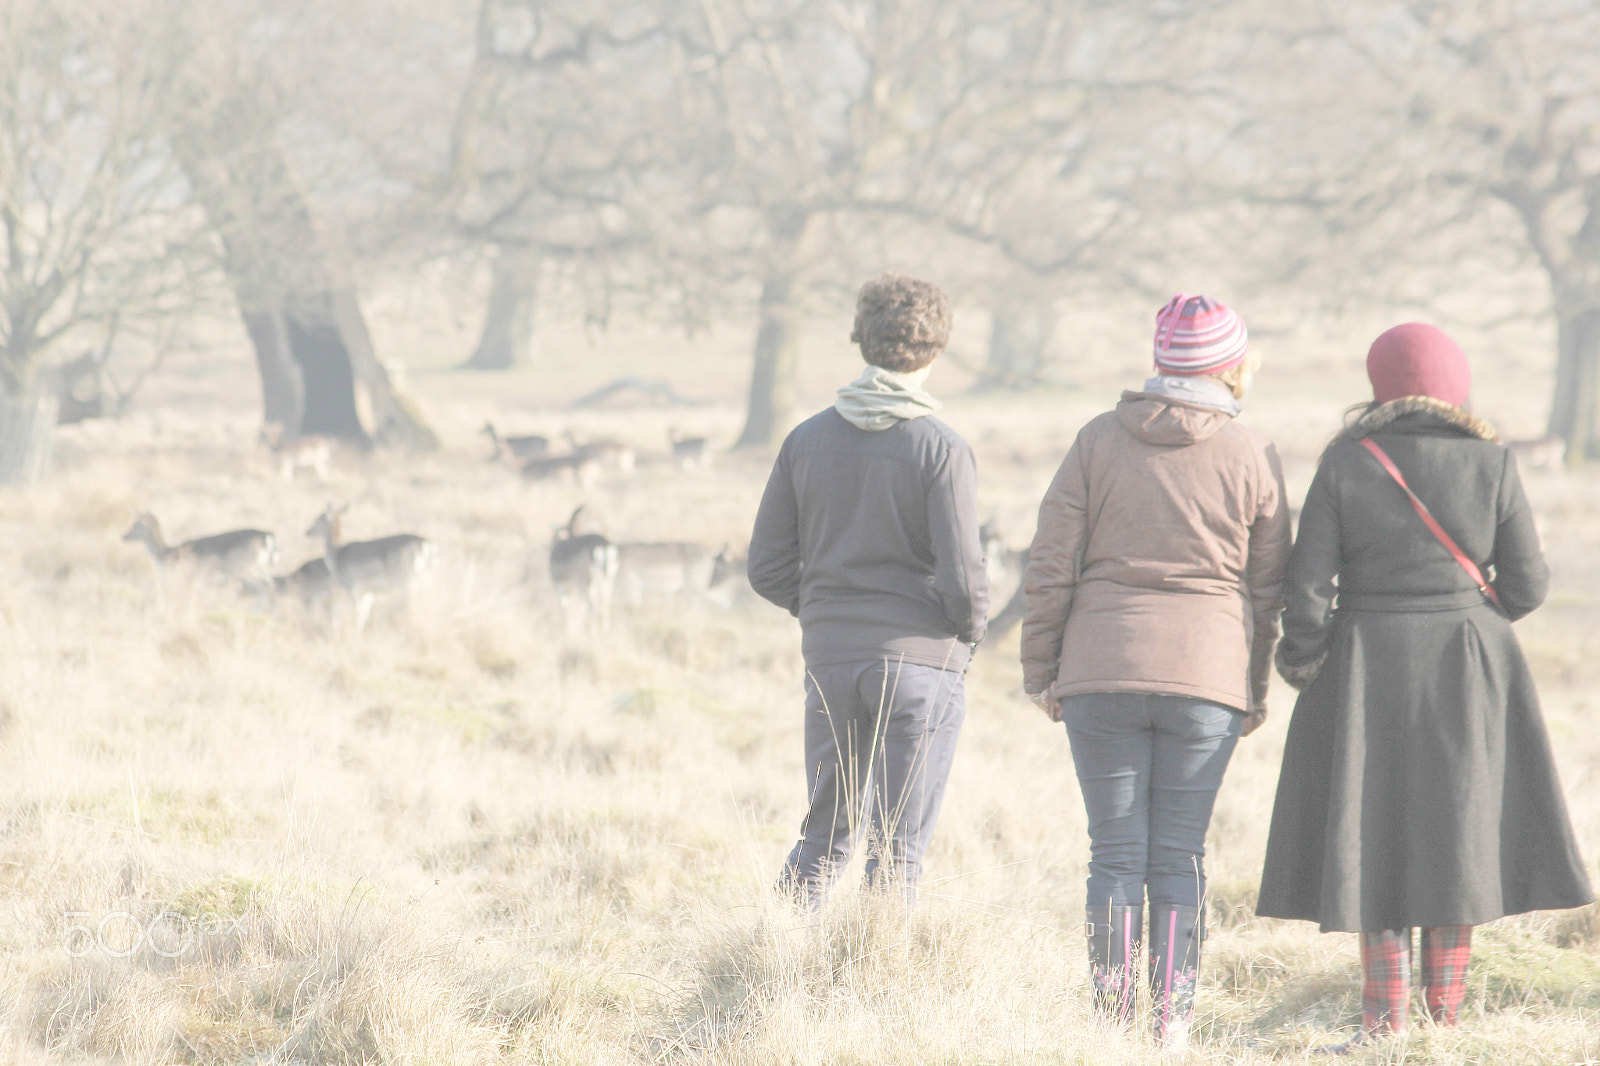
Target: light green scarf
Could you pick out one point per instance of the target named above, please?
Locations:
(879, 398)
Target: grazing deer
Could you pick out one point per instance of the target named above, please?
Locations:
(246, 554)
(309, 452)
(1544, 453)
(1002, 563)
(583, 568)
(583, 470)
(525, 447)
(609, 452)
(310, 583)
(689, 452)
(666, 568)
(365, 568)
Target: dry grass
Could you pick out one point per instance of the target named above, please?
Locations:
(465, 837)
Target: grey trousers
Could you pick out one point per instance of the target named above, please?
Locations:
(880, 737)
(1149, 767)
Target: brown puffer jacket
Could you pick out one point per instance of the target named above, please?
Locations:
(1159, 558)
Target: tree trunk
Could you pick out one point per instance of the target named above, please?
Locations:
(282, 385)
(1573, 407)
(508, 323)
(310, 338)
(776, 363)
(395, 422)
(27, 436)
(1019, 334)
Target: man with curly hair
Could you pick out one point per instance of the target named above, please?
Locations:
(868, 533)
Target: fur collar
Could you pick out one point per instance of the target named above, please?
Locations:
(1384, 415)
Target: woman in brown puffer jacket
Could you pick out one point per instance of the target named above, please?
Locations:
(1152, 610)
(1417, 787)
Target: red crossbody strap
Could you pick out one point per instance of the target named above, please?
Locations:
(1432, 523)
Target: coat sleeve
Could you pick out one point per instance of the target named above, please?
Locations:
(774, 560)
(1270, 544)
(1054, 561)
(1309, 583)
(1521, 576)
(960, 580)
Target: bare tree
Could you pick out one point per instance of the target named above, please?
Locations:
(296, 296)
(1410, 149)
(99, 235)
(100, 240)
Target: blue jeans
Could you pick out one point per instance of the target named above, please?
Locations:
(880, 737)
(1149, 767)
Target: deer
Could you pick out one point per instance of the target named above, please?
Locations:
(609, 452)
(668, 568)
(584, 470)
(365, 568)
(310, 583)
(310, 451)
(1543, 453)
(246, 554)
(689, 452)
(1001, 562)
(524, 447)
(583, 569)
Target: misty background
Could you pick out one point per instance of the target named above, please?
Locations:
(692, 165)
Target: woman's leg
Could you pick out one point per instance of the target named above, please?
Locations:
(1385, 980)
(1194, 740)
(1445, 950)
(1111, 745)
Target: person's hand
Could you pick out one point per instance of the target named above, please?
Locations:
(1051, 707)
(1253, 719)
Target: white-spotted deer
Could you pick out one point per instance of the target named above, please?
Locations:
(245, 554)
(364, 569)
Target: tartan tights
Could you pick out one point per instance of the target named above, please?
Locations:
(1386, 975)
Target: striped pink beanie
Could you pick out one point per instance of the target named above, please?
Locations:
(1198, 335)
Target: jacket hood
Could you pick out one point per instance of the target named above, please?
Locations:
(1420, 411)
(1164, 421)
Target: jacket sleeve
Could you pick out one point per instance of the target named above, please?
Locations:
(774, 560)
(1051, 578)
(1310, 584)
(1521, 576)
(1270, 544)
(960, 580)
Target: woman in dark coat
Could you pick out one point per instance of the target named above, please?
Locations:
(1417, 787)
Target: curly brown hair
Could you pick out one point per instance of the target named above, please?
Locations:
(902, 323)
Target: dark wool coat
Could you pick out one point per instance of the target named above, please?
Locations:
(1417, 785)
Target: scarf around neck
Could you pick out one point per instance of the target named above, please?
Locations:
(1201, 391)
(879, 398)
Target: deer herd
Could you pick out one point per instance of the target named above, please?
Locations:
(586, 569)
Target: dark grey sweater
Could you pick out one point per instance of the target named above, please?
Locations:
(871, 540)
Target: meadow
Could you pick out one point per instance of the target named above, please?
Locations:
(234, 833)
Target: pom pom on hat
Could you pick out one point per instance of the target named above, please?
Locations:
(1415, 359)
(1199, 335)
